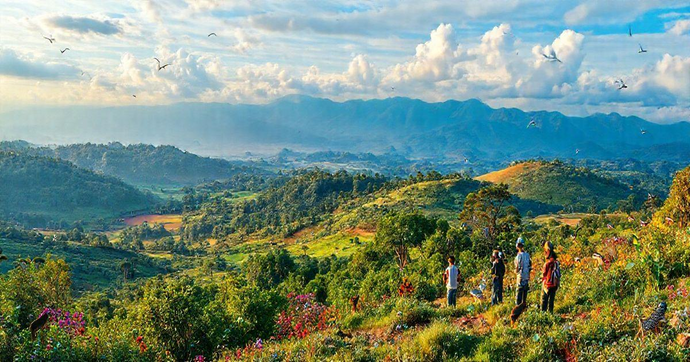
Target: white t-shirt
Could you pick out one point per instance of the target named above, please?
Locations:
(452, 273)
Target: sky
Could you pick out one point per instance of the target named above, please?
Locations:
(494, 51)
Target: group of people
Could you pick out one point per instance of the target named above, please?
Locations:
(550, 278)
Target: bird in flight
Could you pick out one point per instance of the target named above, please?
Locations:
(629, 30)
(134, 95)
(642, 50)
(159, 64)
(62, 51)
(49, 38)
(532, 123)
(214, 34)
(87, 73)
(552, 57)
(619, 82)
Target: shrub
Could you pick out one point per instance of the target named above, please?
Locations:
(442, 341)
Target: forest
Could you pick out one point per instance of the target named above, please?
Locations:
(313, 265)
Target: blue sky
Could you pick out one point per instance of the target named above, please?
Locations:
(433, 50)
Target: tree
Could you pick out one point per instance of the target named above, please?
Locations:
(403, 231)
(125, 267)
(676, 209)
(485, 208)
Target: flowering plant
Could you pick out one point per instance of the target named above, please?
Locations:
(303, 316)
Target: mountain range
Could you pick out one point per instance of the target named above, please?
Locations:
(414, 128)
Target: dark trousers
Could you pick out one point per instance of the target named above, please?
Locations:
(547, 299)
(521, 296)
(452, 297)
(497, 291)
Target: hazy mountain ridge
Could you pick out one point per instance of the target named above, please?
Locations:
(413, 127)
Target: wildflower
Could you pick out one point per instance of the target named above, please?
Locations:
(199, 358)
(258, 344)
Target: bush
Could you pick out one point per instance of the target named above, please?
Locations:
(442, 341)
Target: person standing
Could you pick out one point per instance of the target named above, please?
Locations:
(451, 277)
(498, 270)
(551, 278)
(523, 267)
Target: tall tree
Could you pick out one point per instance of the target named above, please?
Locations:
(488, 210)
(401, 232)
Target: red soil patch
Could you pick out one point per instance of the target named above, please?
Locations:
(171, 222)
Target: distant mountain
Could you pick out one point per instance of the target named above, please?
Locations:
(451, 129)
(556, 183)
(141, 164)
(41, 191)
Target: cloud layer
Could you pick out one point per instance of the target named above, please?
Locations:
(498, 52)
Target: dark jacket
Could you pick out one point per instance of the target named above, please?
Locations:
(498, 269)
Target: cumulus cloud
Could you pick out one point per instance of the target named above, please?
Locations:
(434, 60)
(680, 27)
(16, 65)
(552, 79)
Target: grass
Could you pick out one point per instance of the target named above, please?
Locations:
(338, 244)
(92, 268)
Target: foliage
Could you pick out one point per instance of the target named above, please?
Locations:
(41, 191)
(400, 232)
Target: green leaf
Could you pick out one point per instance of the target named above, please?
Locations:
(629, 266)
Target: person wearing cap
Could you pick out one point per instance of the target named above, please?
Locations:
(498, 270)
(551, 278)
(523, 267)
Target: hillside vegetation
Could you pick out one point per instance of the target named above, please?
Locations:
(141, 164)
(41, 191)
(384, 300)
(555, 183)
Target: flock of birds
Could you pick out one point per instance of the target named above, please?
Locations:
(619, 83)
(160, 66)
(551, 57)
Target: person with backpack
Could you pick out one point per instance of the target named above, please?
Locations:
(498, 270)
(451, 278)
(523, 267)
(551, 278)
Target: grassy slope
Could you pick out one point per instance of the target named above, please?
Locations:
(559, 184)
(92, 268)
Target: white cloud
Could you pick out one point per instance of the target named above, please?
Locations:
(434, 60)
(680, 27)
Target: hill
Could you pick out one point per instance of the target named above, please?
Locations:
(42, 191)
(411, 127)
(141, 164)
(556, 183)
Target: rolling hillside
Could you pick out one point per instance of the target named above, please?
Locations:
(555, 183)
(38, 191)
(141, 164)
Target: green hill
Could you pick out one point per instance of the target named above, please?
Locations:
(39, 191)
(556, 183)
(141, 164)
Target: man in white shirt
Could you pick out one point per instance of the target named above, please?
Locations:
(523, 267)
(451, 277)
